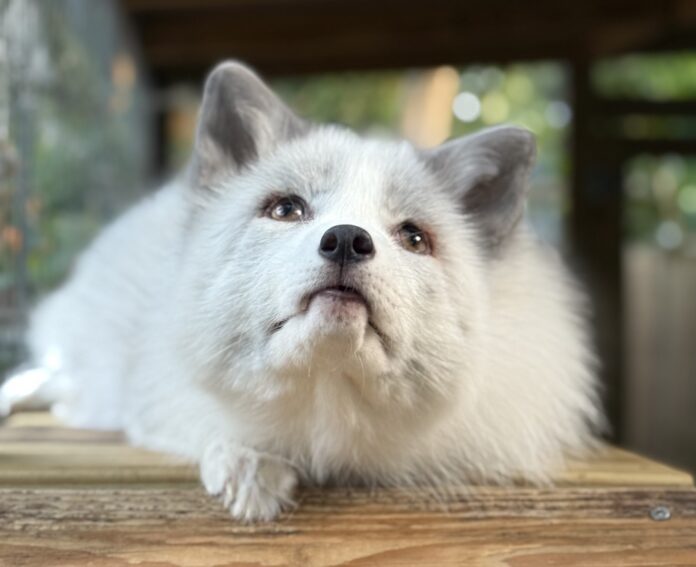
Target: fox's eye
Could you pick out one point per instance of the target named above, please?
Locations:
(414, 239)
(287, 209)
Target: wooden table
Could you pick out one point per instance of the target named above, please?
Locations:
(70, 497)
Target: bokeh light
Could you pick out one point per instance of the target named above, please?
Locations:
(669, 235)
(466, 107)
(558, 114)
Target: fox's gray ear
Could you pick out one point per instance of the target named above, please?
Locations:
(488, 172)
(240, 120)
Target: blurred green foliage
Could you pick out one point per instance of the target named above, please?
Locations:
(660, 190)
(665, 76)
(661, 201)
(363, 101)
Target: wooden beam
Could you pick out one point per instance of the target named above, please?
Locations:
(631, 148)
(140, 7)
(183, 38)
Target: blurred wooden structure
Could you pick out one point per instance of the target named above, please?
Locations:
(182, 39)
(661, 334)
(75, 497)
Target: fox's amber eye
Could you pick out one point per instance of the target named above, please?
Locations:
(414, 239)
(287, 209)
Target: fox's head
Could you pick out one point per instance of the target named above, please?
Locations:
(335, 267)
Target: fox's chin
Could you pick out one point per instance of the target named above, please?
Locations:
(340, 320)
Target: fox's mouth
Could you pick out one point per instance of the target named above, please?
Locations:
(343, 293)
(339, 292)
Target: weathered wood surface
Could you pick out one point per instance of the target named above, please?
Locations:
(34, 449)
(183, 527)
(599, 515)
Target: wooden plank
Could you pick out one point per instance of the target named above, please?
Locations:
(88, 463)
(186, 528)
(86, 498)
(35, 450)
(618, 467)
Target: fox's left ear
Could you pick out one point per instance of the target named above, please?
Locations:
(488, 173)
(240, 120)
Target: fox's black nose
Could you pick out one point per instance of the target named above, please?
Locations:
(346, 244)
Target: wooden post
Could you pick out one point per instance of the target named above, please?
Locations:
(596, 237)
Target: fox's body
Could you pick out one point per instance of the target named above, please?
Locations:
(306, 303)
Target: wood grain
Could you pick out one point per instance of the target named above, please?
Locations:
(72, 497)
(183, 527)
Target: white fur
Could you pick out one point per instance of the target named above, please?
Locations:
(163, 331)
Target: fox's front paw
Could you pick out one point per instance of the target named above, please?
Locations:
(252, 485)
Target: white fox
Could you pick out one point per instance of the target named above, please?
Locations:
(305, 304)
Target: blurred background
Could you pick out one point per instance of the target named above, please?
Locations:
(98, 101)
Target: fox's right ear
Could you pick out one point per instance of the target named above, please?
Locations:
(240, 120)
(487, 173)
